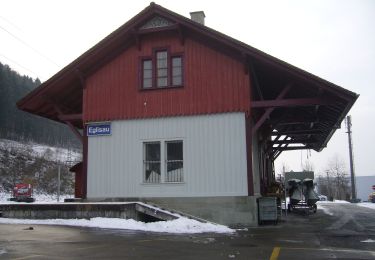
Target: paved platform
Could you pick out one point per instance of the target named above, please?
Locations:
(317, 236)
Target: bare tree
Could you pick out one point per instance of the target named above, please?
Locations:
(335, 180)
(308, 166)
(284, 168)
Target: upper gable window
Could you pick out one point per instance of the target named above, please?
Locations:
(162, 70)
(177, 71)
(147, 73)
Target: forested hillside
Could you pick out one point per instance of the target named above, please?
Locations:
(37, 165)
(21, 126)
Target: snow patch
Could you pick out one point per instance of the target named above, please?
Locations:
(333, 202)
(181, 225)
(341, 201)
(367, 205)
(368, 241)
(321, 205)
(40, 198)
(324, 209)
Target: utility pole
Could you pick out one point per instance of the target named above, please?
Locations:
(58, 183)
(329, 194)
(351, 159)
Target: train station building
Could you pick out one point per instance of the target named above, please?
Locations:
(173, 112)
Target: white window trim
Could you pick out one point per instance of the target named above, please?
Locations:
(143, 161)
(166, 158)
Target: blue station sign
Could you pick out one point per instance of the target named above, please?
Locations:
(99, 129)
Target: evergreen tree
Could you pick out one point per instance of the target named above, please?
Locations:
(21, 126)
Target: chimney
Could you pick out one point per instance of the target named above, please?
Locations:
(198, 17)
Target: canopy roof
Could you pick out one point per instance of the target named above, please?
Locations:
(288, 103)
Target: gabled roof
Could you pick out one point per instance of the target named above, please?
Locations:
(62, 93)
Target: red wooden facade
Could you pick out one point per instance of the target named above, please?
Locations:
(79, 185)
(212, 83)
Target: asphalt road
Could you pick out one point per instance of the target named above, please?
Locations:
(317, 236)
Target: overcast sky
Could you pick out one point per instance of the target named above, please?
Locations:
(331, 39)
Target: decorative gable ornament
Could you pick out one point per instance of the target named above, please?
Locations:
(156, 22)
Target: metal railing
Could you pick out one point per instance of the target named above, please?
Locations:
(175, 171)
(151, 171)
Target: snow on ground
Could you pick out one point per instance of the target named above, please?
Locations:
(369, 205)
(2, 251)
(324, 209)
(341, 201)
(321, 205)
(334, 201)
(40, 198)
(180, 225)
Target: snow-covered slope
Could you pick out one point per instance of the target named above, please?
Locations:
(39, 150)
(36, 164)
(40, 198)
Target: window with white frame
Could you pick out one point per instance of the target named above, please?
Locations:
(161, 69)
(174, 161)
(152, 162)
(169, 152)
(177, 71)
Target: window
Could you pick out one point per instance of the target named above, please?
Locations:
(169, 172)
(162, 70)
(176, 71)
(147, 73)
(152, 162)
(174, 161)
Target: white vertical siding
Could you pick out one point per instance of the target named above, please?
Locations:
(214, 148)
